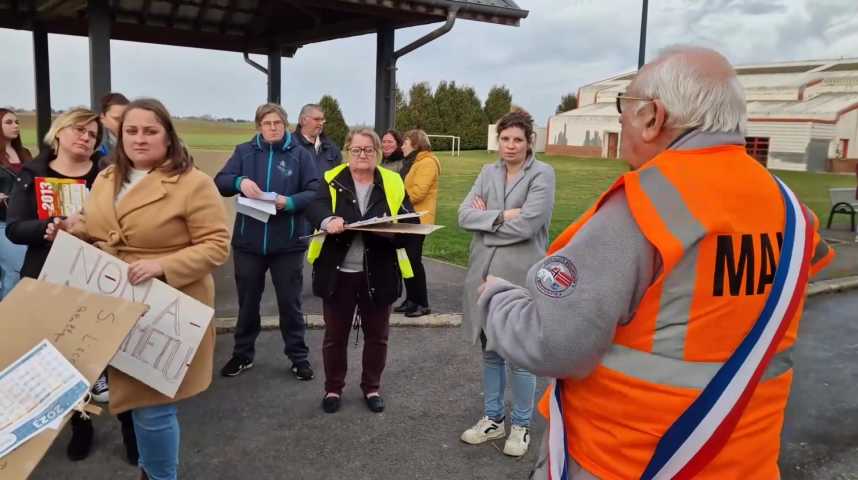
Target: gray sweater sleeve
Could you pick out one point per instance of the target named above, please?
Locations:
(473, 219)
(563, 320)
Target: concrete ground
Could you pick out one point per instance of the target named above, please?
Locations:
(267, 425)
(846, 261)
(444, 282)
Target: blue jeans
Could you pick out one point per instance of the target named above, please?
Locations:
(494, 383)
(11, 260)
(157, 432)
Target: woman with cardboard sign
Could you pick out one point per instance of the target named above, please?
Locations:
(155, 211)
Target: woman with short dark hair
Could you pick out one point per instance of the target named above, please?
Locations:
(391, 149)
(508, 210)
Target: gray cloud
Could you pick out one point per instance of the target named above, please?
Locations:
(561, 46)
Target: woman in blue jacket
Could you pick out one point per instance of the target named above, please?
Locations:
(271, 162)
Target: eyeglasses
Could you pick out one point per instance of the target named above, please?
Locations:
(622, 96)
(356, 151)
(274, 124)
(80, 131)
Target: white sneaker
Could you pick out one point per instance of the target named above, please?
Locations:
(484, 430)
(518, 441)
(100, 391)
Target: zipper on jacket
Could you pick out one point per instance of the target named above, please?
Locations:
(267, 189)
(241, 230)
(291, 226)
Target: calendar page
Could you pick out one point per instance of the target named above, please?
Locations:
(36, 392)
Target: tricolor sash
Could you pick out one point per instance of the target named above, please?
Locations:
(697, 436)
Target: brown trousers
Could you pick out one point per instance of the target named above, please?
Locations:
(338, 312)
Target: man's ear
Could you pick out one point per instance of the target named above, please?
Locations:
(653, 117)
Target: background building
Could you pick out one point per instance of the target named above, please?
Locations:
(802, 116)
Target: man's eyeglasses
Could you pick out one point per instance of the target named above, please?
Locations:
(356, 151)
(622, 96)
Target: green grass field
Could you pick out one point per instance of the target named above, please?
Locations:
(579, 180)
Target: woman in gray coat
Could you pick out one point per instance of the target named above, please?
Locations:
(508, 210)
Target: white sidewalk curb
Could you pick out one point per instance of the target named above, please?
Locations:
(227, 324)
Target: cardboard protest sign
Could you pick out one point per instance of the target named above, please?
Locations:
(59, 197)
(160, 348)
(86, 328)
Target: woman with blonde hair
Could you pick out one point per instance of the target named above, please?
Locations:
(155, 211)
(72, 138)
(357, 274)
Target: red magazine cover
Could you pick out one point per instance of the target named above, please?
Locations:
(59, 197)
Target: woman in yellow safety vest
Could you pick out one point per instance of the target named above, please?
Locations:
(358, 275)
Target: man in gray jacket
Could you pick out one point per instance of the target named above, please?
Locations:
(685, 105)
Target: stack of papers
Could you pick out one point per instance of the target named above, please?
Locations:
(260, 209)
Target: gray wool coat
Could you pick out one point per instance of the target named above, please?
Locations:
(508, 249)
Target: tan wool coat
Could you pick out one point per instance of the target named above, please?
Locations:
(421, 185)
(179, 220)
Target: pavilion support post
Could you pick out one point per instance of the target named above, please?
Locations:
(385, 80)
(99, 51)
(274, 75)
(42, 75)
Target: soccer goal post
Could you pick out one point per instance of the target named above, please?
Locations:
(455, 143)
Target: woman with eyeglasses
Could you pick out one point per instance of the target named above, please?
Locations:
(358, 275)
(13, 156)
(72, 139)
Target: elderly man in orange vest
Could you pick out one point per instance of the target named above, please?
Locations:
(666, 314)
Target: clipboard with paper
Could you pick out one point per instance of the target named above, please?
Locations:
(389, 224)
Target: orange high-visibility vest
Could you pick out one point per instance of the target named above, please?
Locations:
(716, 218)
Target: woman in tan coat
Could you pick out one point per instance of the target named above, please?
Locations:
(421, 185)
(164, 217)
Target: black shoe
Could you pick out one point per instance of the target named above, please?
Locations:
(132, 455)
(375, 403)
(235, 366)
(302, 371)
(419, 312)
(331, 403)
(81, 440)
(405, 307)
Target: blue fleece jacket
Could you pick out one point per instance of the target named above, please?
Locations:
(284, 168)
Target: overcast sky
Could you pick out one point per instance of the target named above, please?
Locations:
(562, 45)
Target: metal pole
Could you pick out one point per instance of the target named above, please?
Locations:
(99, 51)
(385, 79)
(274, 69)
(642, 51)
(41, 62)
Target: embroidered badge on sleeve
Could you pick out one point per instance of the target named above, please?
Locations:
(557, 278)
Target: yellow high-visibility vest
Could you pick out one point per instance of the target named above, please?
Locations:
(394, 193)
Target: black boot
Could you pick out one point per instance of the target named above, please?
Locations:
(81, 440)
(405, 307)
(128, 437)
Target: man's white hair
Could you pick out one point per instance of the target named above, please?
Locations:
(694, 96)
(308, 109)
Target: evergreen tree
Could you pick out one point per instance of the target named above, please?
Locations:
(498, 103)
(336, 127)
(568, 102)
